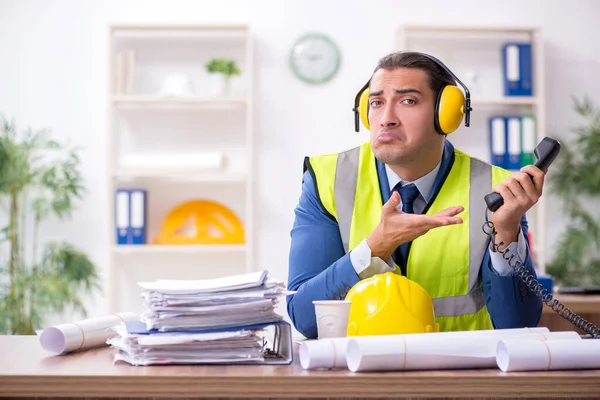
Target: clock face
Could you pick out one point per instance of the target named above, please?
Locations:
(315, 58)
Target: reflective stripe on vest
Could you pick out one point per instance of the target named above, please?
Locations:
(344, 191)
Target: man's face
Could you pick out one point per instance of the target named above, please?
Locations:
(401, 116)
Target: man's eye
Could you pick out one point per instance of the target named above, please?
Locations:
(375, 103)
(409, 101)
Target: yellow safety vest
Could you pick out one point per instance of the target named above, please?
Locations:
(446, 261)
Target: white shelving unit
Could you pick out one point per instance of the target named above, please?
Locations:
(179, 175)
(190, 249)
(474, 54)
(200, 102)
(162, 101)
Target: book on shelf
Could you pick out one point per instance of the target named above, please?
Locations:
(124, 72)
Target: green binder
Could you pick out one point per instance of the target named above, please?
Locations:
(528, 140)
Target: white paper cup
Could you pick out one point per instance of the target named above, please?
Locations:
(332, 317)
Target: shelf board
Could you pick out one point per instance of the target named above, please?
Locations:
(179, 174)
(506, 101)
(196, 248)
(178, 27)
(180, 31)
(219, 102)
(468, 29)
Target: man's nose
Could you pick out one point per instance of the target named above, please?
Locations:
(389, 117)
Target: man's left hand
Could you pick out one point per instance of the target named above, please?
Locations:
(520, 192)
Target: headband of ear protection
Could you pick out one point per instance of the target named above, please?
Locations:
(450, 105)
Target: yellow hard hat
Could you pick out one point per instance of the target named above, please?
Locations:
(390, 304)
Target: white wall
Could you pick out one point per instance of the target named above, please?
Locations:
(53, 74)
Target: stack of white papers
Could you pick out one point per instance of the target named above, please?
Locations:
(189, 348)
(233, 301)
(229, 320)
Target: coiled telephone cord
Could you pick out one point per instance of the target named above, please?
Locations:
(532, 283)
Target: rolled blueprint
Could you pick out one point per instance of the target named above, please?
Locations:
(421, 353)
(323, 353)
(85, 334)
(516, 355)
(331, 353)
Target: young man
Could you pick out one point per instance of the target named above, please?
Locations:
(407, 201)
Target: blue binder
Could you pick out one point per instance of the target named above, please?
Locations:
(138, 216)
(517, 68)
(498, 141)
(122, 225)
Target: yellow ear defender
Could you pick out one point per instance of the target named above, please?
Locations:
(450, 106)
(361, 107)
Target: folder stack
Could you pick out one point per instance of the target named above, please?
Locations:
(512, 141)
(225, 320)
(130, 216)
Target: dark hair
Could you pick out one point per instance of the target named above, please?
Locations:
(437, 75)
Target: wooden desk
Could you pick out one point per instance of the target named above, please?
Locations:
(587, 307)
(27, 371)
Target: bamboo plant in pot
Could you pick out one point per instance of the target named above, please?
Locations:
(39, 178)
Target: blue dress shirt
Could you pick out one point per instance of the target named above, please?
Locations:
(319, 269)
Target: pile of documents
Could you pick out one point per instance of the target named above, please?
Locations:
(211, 304)
(224, 320)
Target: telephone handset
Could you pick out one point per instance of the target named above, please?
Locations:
(545, 152)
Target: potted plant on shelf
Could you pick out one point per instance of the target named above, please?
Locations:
(40, 178)
(220, 71)
(576, 181)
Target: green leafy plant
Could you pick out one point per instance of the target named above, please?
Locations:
(576, 180)
(225, 66)
(39, 178)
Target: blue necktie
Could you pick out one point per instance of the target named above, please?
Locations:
(408, 194)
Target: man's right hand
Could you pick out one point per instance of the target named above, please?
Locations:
(397, 227)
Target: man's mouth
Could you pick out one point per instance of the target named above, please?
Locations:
(388, 137)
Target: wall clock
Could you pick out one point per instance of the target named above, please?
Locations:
(315, 58)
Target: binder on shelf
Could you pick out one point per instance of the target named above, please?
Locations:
(130, 216)
(122, 216)
(513, 135)
(138, 216)
(498, 148)
(517, 69)
(528, 140)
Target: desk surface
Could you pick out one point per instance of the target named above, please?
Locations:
(579, 304)
(27, 371)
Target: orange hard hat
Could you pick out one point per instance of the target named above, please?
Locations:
(390, 304)
(201, 222)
